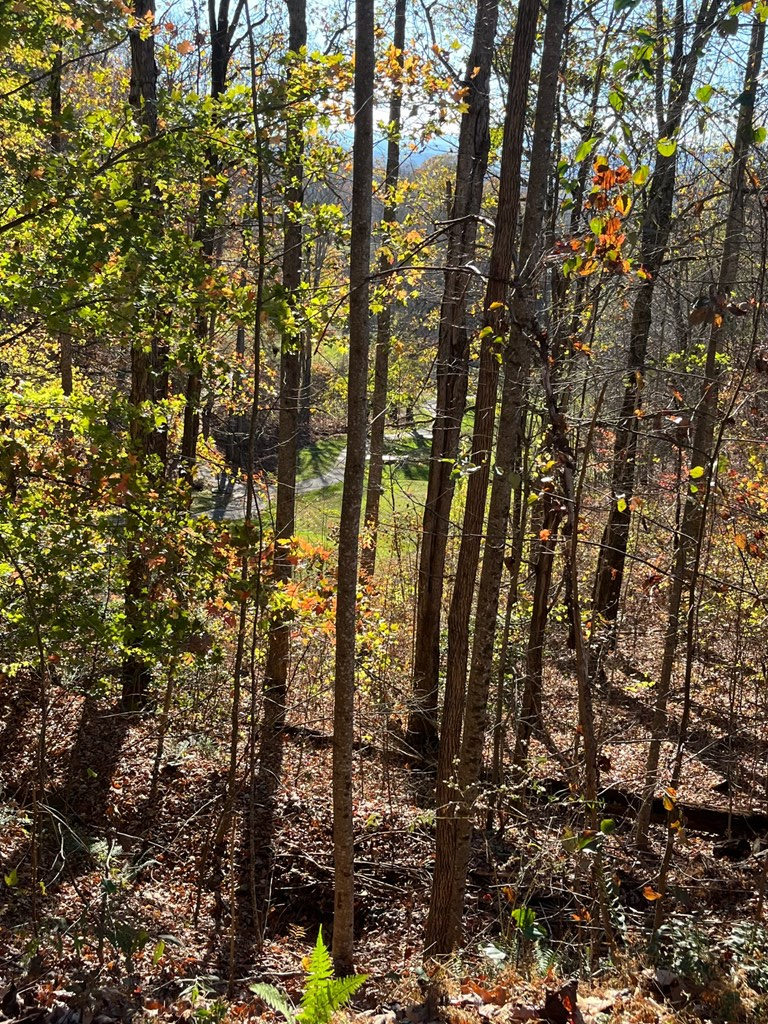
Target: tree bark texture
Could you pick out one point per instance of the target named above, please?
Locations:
(354, 471)
(517, 359)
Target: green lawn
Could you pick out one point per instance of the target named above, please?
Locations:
(317, 458)
(405, 487)
(318, 512)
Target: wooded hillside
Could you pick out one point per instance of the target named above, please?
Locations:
(383, 511)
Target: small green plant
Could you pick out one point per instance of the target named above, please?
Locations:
(546, 958)
(748, 944)
(323, 994)
(206, 1007)
(611, 894)
(422, 820)
(685, 945)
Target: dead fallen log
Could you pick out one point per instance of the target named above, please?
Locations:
(397, 751)
(718, 821)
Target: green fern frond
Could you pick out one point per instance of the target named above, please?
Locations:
(325, 994)
(341, 990)
(546, 957)
(320, 963)
(276, 1000)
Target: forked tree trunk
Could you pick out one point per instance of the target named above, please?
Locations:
(452, 370)
(351, 503)
(446, 904)
(384, 324)
(517, 357)
(690, 534)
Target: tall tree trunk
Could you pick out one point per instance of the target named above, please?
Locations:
(279, 641)
(384, 324)
(518, 522)
(136, 669)
(314, 264)
(689, 535)
(517, 356)
(452, 371)
(446, 903)
(222, 29)
(354, 472)
(305, 392)
(655, 229)
(530, 708)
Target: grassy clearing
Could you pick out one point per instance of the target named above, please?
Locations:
(318, 510)
(318, 513)
(318, 516)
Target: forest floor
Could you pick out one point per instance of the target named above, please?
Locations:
(119, 909)
(119, 903)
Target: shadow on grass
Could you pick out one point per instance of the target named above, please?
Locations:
(317, 458)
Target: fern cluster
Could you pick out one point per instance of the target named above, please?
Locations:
(323, 994)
